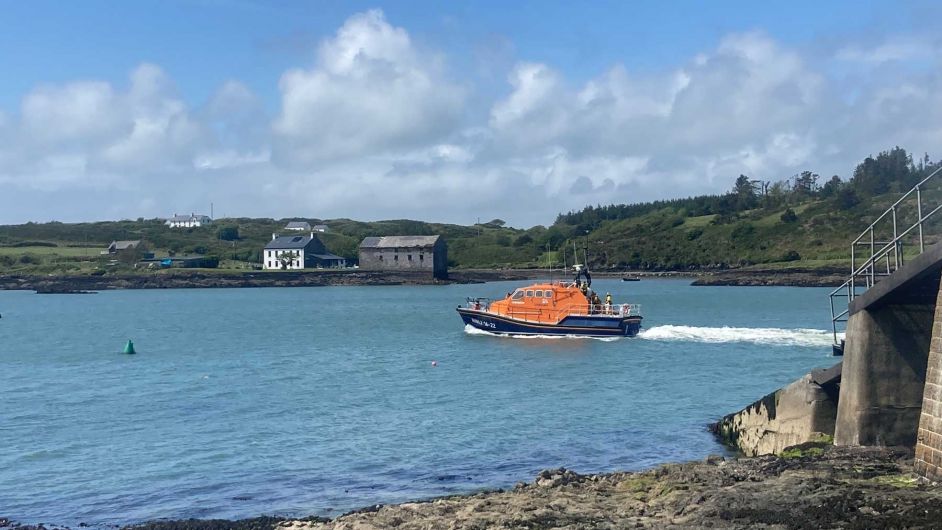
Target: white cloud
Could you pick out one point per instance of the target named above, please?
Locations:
(370, 92)
(896, 48)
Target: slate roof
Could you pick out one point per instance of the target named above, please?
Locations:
(124, 245)
(288, 242)
(298, 225)
(399, 241)
(184, 218)
(328, 256)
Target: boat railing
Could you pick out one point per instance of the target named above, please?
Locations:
(479, 304)
(612, 310)
(619, 310)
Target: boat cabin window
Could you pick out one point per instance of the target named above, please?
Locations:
(518, 294)
(538, 294)
(529, 293)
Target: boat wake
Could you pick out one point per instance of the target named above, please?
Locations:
(471, 330)
(766, 336)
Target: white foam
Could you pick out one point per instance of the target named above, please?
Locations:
(471, 330)
(769, 336)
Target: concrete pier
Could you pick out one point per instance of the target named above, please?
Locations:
(884, 373)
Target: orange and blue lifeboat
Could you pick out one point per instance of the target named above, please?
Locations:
(552, 308)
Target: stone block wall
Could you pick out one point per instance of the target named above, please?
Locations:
(928, 462)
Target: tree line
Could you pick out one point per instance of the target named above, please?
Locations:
(893, 170)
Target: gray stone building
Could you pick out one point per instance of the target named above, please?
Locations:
(417, 253)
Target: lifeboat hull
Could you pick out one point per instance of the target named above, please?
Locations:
(582, 325)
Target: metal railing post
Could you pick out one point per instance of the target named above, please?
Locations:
(853, 270)
(870, 261)
(922, 247)
(895, 247)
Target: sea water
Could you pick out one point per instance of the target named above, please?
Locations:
(313, 401)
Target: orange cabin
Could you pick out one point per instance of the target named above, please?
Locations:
(547, 303)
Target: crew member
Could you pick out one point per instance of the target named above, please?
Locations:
(608, 303)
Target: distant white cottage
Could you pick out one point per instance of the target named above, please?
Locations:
(300, 226)
(188, 221)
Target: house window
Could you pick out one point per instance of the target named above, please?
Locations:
(409, 256)
(396, 257)
(381, 257)
(421, 257)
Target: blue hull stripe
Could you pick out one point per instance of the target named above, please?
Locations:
(583, 325)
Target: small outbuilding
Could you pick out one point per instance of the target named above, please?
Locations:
(118, 246)
(299, 226)
(298, 252)
(418, 253)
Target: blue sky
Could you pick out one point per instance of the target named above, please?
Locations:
(145, 108)
(204, 43)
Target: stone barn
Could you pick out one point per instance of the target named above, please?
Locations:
(418, 253)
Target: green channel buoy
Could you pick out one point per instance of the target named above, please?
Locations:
(129, 347)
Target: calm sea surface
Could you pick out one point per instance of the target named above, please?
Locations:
(300, 401)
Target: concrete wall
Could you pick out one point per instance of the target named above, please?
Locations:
(800, 412)
(884, 372)
(928, 463)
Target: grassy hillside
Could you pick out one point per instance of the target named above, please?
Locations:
(665, 239)
(777, 224)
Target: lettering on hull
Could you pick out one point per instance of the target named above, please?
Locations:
(483, 324)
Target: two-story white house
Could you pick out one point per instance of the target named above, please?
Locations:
(188, 221)
(298, 252)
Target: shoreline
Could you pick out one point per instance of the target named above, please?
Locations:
(816, 485)
(202, 279)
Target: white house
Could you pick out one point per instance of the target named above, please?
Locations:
(321, 228)
(298, 252)
(188, 221)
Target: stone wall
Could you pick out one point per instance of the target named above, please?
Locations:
(928, 463)
(431, 258)
(800, 412)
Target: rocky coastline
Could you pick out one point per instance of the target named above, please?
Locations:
(85, 284)
(812, 486)
(797, 277)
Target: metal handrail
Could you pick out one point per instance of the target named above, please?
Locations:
(868, 270)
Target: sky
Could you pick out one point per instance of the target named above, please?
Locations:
(445, 111)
